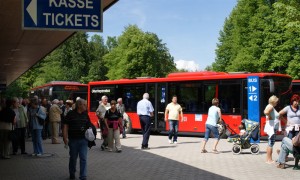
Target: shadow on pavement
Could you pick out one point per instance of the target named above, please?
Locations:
(132, 164)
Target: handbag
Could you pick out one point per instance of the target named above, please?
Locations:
(40, 120)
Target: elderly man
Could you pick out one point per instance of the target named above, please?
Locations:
(100, 112)
(76, 123)
(145, 111)
(121, 109)
(55, 119)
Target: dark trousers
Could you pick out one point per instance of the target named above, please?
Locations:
(19, 140)
(104, 136)
(146, 128)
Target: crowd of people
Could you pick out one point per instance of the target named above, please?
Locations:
(36, 118)
(42, 119)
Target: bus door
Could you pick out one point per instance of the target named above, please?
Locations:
(157, 93)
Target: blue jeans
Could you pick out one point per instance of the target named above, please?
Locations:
(78, 147)
(173, 129)
(209, 128)
(271, 140)
(292, 134)
(146, 128)
(37, 141)
(286, 147)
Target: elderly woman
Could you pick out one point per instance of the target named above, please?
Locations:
(272, 125)
(293, 116)
(113, 122)
(35, 113)
(214, 115)
(20, 126)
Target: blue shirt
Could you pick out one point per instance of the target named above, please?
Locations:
(144, 107)
(33, 119)
(213, 116)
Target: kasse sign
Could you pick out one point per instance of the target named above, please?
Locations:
(73, 15)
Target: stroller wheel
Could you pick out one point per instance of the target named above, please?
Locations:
(236, 149)
(254, 149)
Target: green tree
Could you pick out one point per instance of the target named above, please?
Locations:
(138, 54)
(261, 35)
(97, 69)
(75, 57)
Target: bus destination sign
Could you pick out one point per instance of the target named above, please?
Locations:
(73, 15)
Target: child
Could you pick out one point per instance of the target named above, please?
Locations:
(243, 133)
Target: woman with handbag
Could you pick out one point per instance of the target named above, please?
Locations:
(272, 126)
(7, 120)
(36, 114)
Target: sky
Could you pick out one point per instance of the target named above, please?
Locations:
(189, 28)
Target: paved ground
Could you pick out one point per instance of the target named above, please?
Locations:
(162, 161)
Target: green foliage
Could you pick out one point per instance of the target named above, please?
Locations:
(135, 53)
(261, 35)
(138, 54)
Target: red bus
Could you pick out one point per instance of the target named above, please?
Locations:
(61, 90)
(194, 91)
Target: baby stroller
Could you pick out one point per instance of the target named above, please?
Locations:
(244, 141)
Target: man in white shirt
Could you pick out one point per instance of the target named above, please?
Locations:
(172, 112)
(145, 111)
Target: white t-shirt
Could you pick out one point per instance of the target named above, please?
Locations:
(174, 110)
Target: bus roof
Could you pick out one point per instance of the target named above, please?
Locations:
(61, 83)
(190, 76)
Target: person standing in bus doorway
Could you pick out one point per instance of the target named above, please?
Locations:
(100, 112)
(121, 109)
(214, 115)
(145, 112)
(172, 112)
(272, 126)
(55, 119)
(75, 126)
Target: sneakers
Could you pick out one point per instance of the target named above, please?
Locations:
(170, 141)
(175, 142)
(38, 155)
(33, 154)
